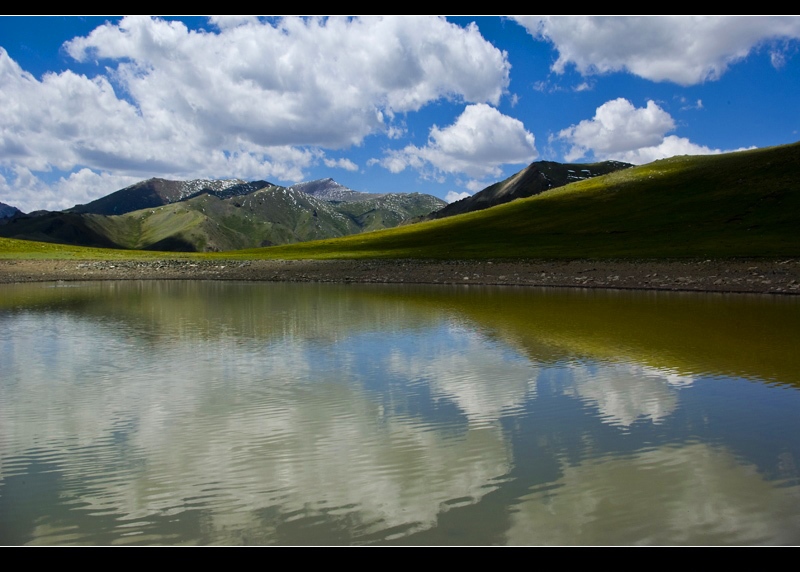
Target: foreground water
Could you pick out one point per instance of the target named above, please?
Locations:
(244, 413)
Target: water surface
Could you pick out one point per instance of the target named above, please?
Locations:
(247, 413)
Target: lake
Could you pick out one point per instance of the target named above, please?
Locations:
(184, 413)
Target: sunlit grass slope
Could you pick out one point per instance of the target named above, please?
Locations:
(734, 205)
(11, 248)
(744, 204)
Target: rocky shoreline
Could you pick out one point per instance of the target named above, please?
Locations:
(740, 275)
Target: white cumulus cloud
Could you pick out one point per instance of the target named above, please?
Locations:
(480, 140)
(326, 82)
(671, 146)
(345, 164)
(683, 49)
(453, 196)
(249, 98)
(24, 190)
(616, 127)
(622, 132)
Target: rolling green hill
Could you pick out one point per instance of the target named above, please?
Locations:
(744, 204)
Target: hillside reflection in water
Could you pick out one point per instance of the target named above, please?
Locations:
(247, 413)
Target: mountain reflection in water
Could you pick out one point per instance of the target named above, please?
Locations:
(249, 413)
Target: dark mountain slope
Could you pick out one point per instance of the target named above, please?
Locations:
(7, 211)
(532, 180)
(58, 227)
(159, 192)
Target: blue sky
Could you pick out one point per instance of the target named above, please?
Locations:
(433, 105)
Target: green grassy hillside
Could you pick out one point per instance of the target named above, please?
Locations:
(744, 204)
(12, 248)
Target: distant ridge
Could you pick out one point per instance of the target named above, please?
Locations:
(536, 178)
(330, 190)
(7, 211)
(159, 192)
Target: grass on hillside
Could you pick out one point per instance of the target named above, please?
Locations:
(11, 248)
(744, 204)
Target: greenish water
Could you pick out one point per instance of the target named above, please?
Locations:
(248, 413)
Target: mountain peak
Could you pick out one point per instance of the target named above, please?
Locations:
(329, 190)
(156, 192)
(536, 178)
(7, 211)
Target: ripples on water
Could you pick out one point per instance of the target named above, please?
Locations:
(222, 413)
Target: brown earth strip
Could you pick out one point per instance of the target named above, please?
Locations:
(758, 276)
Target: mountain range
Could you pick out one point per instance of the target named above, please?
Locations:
(207, 215)
(159, 192)
(741, 204)
(216, 215)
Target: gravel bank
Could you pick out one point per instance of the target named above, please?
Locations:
(759, 276)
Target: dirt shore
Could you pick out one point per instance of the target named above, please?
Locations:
(759, 276)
